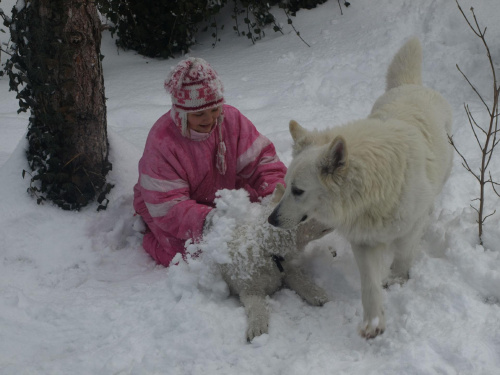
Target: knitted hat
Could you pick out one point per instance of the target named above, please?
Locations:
(194, 86)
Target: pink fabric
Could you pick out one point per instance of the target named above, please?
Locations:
(178, 178)
(193, 86)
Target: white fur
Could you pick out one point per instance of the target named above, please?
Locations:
(375, 180)
(253, 274)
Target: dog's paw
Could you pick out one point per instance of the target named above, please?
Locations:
(373, 328)
(256, 328)
(316, 296)
(305, 287)
(394, 280)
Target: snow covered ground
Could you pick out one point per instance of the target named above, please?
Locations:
(78, 295)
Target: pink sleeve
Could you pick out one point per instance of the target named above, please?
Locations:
(166, 198)
(258, 165)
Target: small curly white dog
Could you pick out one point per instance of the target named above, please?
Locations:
(261, 261)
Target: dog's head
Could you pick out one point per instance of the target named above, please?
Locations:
(316, 172)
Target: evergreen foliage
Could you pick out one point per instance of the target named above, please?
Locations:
(65, 182)
(157, 28)
(165, 28)
(3, 48)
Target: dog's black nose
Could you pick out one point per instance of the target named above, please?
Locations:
(273, 219)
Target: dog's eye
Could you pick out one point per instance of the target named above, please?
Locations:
(297, 191)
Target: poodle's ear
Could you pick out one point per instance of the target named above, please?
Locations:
(278, 193)
(299, 136)
(334, 161)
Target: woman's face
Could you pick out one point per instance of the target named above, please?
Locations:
(203, 121)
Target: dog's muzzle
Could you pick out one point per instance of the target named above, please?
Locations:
(273, 219)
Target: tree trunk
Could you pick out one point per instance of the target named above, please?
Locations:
(81, 80)
(67, 136)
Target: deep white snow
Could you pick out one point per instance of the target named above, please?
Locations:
(78, 295)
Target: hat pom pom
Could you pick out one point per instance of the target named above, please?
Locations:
(176, 77)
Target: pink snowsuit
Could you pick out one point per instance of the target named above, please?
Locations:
(178, 178)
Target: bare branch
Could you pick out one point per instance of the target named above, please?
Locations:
(490, 141)
(464, 163)
(489, 155)
(493, 184)
(293, 27)
(463, 14)
(492, 65)
(491, 132)
(495, 144)
(475, 90)
(5, 51)
(487, 216)
(472, 123)
(471, 117)
(490, 151)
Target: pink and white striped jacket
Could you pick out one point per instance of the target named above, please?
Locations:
(178, 178)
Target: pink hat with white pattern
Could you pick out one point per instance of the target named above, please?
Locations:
(194, 86)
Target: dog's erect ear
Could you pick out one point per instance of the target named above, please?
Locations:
(278, 193)
(299, 136)
(335, 158)
(297, 131)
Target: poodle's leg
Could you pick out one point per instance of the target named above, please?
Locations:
(257, 313)
(303, 285)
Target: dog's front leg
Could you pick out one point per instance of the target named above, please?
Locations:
(303, 285)
(257, 313)
(405, 249)
(370, 260)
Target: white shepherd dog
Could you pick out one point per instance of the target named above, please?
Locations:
(375, 180)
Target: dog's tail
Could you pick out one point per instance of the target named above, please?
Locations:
(406, 66)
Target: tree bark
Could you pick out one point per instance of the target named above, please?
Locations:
(66, 78)
(82, 85)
